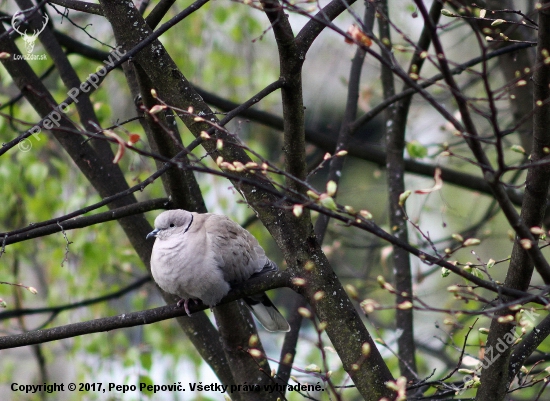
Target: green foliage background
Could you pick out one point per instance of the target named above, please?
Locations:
(214, 50)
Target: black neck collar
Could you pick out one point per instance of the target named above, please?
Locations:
(191, 222)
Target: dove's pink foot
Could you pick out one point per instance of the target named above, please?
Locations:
(185, 303)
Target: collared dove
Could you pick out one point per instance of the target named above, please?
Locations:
(199, 256)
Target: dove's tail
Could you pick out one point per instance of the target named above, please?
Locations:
(266, 313)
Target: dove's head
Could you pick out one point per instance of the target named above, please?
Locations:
(171, 222)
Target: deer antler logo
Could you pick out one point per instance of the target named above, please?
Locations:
(16, 21)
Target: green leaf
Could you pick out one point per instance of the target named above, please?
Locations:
(148, 381)
(220, 14)
(146, 360)
(416, 150)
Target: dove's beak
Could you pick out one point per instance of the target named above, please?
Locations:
(153, 233)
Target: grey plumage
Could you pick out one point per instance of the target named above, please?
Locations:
(199, 256)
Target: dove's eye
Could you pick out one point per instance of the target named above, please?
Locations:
(172, 225)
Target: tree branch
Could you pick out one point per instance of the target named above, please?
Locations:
(527, 346)
(55, 226)
(495, 379)
(472, 139)
(253, 286)
(318, 23)
(76, 5)
(55, 310)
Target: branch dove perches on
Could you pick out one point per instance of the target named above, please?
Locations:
(199, 256)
